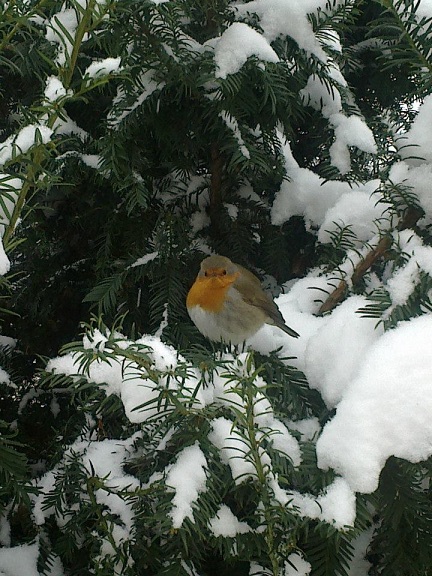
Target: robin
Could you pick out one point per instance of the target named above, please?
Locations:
(226, 302)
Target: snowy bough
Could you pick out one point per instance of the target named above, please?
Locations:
(138, 137)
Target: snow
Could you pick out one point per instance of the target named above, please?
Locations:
(54, 89)
(146, 85)
(357, 210)
(64, 19)
(336, 505)
(327, 203)
(358, 565)
(257, 570)
(19, 560)
(296, 565)
(374, 384)
(335, 352)
(4, 260)
(233, 448)
(145, 259)
(401, 285)
(238, 43)
(188, 478)
(226, 524)
(23, 141)
(232, 124)
(385, 410)
(100, 68)
(103, 460)
(281, 18)
(348, 130)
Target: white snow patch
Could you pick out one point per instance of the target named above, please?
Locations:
(238, 43)
(296, 565)
(385, 411)
(54, 89)
(19, 560)
(23, 141)
(226, 524)
(282, 18)
(188, 478)
(103, 67)
(336, 351)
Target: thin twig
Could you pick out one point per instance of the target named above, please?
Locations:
(411, 217)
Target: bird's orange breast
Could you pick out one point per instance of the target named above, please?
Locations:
(210, 292)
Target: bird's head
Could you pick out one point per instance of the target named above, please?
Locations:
(217, 266)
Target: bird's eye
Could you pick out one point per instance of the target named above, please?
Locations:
(223, 272)
(206, 273)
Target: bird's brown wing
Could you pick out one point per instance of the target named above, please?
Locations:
(260, 299)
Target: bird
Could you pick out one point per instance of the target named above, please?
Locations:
(227, 303)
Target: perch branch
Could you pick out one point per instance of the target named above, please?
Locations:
(409, 220)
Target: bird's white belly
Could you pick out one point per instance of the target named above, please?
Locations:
(235, 323)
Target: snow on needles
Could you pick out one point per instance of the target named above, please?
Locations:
(385, 411)
(188, 479)
(139, 388)
(226, 524)
(328, 204)
(20, 560)
(236, 45)
(279, 17)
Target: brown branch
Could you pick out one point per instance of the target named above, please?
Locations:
(334, 298)
(411, 217)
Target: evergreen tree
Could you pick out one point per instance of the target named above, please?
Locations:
(138, 136)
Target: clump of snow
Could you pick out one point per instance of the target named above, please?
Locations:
(104, 460)
(188, 478)
(359, 209)
(4, 377)
(281, 18)
(54, 89)
(349, 131)
(23, 141)
(257, 570)
(336, 505)
(103, 67)
(238, 43)
(385, 410)
(309, 428)
(401, 285)
(324, 204)
(233, 449)
(336, 351)
(64, 19)
(321, 96)
(226, 524)
(20, 560)
(145, 259)
(296, 565)
(418, 179)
